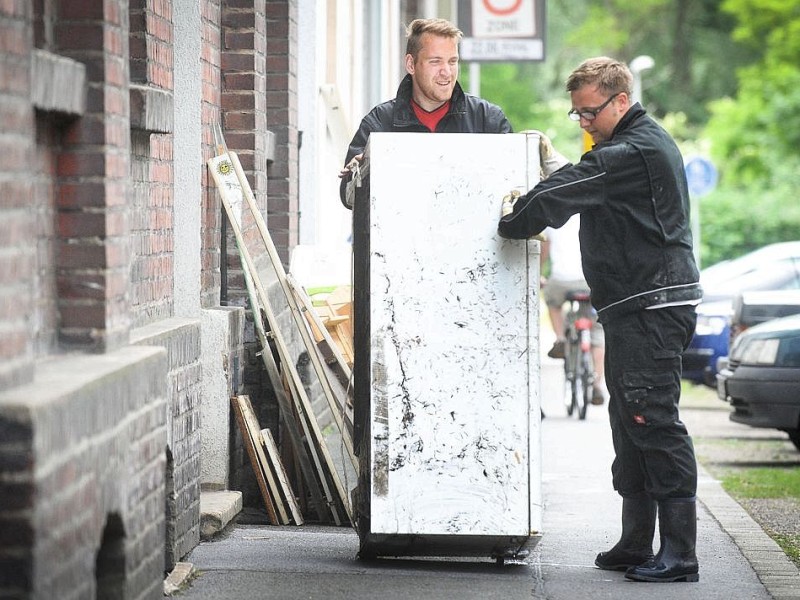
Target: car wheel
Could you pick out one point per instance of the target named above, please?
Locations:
(794, 435)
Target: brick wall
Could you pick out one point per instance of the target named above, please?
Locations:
(282, 112)
(210, 12)
(245, 121)
(92, 250)
(98, 436)
(18, 247)
(152, 240)
(181, 340)
(88, 453)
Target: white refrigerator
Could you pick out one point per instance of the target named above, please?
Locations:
(446, 373)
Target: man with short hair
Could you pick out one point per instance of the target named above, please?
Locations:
(429, 98)
(636, 243)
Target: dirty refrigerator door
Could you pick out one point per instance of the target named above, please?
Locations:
(446, 375)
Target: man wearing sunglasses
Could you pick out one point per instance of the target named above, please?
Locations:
(636, 243)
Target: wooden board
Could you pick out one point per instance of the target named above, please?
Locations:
(299, 320)
(305, 454)
(250, 447)
(255, 431)
(232, 185)
(274, 458)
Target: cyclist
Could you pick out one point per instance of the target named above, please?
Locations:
(562, 250)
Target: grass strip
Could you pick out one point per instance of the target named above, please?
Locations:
(763, 482)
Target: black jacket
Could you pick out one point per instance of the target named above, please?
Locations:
(467, 114)
(636, 240)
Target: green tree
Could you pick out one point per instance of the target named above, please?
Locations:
(756, 134)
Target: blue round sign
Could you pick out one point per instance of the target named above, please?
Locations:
(701, 175)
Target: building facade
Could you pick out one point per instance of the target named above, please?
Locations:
(122, 301)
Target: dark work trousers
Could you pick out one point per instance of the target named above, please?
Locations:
(654, 452)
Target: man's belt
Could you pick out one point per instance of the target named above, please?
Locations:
(671, 295)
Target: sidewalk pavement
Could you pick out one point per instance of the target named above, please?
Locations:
(581, 517)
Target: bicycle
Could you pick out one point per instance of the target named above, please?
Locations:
(578, 362)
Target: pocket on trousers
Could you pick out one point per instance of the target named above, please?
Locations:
(650, 396)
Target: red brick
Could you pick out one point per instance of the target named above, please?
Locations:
(237, 19)
(117, 132)
(276, 45)
(277, 81)
(242, 81)
(114, 41)
(244, 4)
(117, 164)
(160, 76)
(162, 28)
(241, 141)
(16, 114)
(14, 39)
(78, 36)
(137, 46)
(241, 40)
(81, 224)
(116, 79)
(232, 61)
(82, 315)
(80, 255)
(75, 164)
(14, 75)
(113, 11)
(239, 101)
(137, 22)
(82, 285)
(80, 9)
(82, 195)
(242, 121)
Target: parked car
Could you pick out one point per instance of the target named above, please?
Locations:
(761, 377)
(773, 267)
(754, 308)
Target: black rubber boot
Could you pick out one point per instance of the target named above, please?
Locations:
(676, 559)
(636, 543)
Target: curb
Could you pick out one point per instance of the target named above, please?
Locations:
(778, 574)
(217, 509)
(178, 577)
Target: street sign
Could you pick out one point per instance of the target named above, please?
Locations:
(508, 49)
(502, 30)
(701, 175)
(503, 18)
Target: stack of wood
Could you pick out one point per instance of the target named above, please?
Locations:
(273, 482)
(321, 477)
(335, 311)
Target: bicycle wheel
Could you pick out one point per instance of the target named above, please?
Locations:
(580, 399)
(569, 373)
(569, 396)
(585, 382)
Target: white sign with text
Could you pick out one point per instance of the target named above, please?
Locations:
(503, 18)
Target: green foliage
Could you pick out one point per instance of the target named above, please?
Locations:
(513, 87)
(736, 221)
(763, 482)
(757, 134)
